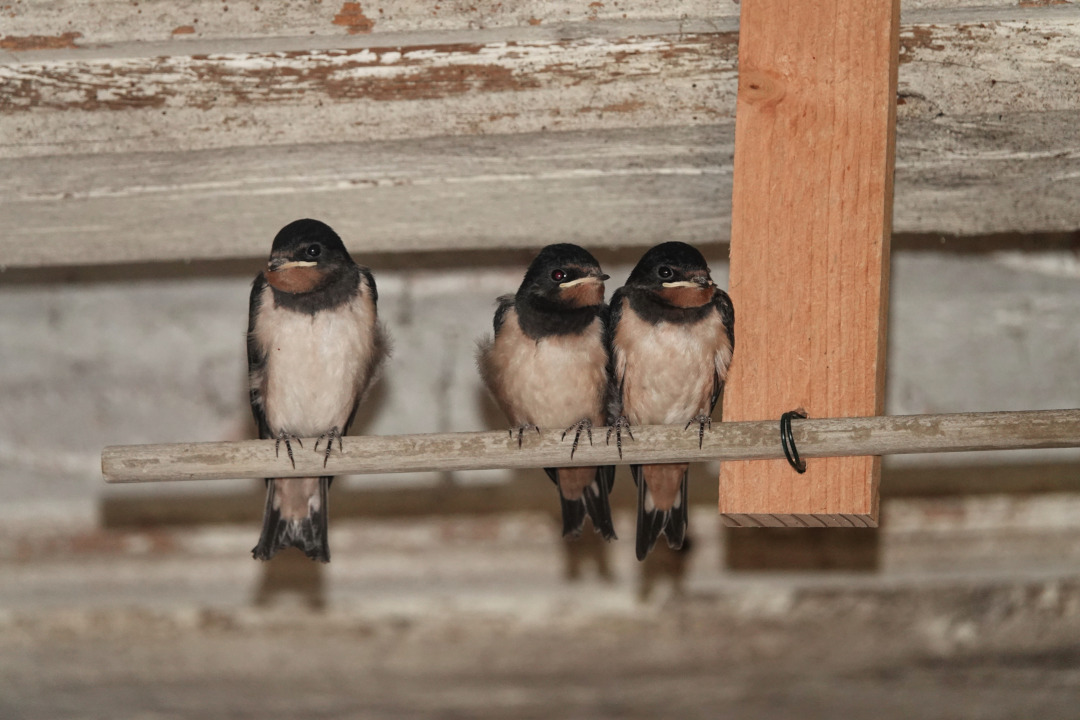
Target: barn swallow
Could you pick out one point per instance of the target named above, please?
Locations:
(314, 346)
(548, 366)
(671, 334)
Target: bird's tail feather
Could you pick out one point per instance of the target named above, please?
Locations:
(307, 533)
(651, 523)
(593, 502)
(573, 516)
(675, 529)
(597, 504)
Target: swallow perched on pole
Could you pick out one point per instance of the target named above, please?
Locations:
(547, 367)
(314, 346)
(671, 334)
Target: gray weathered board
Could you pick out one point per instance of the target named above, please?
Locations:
(172, 131)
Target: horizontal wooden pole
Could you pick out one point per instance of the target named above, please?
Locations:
(757, 440)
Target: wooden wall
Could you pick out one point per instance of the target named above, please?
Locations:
(160, 130)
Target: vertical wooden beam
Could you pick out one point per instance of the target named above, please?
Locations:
(811, 221)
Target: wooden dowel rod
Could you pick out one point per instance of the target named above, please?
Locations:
(885, 435)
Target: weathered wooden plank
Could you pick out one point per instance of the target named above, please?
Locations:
(978, 175)
(599, 188)
(239, 95)
(55, 24)
(45, 24)
(197, 102)
(822, 437)
(992, 67)
(959, 170)
(606, 189)
(810, 230)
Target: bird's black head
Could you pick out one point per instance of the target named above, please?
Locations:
(674, 273)
(307, 255)
(563, 277)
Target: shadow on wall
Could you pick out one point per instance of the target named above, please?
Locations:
(502, 258)
(752, 549)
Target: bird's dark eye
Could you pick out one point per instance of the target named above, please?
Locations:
(313, 251)
(558, 275)
(664, 272)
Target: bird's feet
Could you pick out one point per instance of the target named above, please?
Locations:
(702, 420)
(285, 437)
(582, 425)
(520, 430)
(329, 435)
(621, 423)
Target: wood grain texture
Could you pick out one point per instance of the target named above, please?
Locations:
(982, 66)
(238, 97)
(616, 188)
(182, 22)
(728, 441)
(986, 139)
(811, 223)
(56, 24)
(953, 176)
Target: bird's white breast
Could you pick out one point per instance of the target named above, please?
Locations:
(668, 369)
(316, 365)
(553, 382)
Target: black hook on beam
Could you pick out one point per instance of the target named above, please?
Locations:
(787, 440)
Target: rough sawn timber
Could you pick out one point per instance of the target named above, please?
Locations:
(132, 98)
(810, 232)
(106, 146)
(616, 188)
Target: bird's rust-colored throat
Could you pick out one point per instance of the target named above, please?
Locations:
(295, 279)
(685, 296)
(585, 292)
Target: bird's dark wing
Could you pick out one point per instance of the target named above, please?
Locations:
(615, 383)
(369, 279)
(603, 311)
(722, 303)
(256, 358)
(717, 388)
(382, 348)
(506, 302)
(614, 314)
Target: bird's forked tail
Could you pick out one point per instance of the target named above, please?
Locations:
(295, 516)
(663, 509)
(592, 500)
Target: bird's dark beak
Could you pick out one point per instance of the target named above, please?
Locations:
(275, 264)
(703, 281)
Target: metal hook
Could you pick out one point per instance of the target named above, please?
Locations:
(787, 440)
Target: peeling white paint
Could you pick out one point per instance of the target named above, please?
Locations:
(64, 106)
(155, 20)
